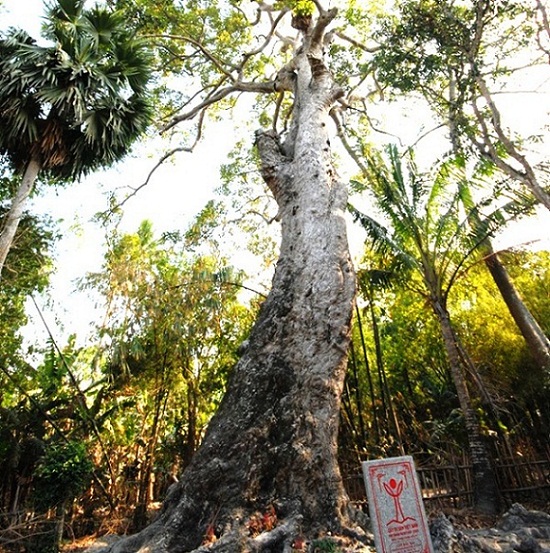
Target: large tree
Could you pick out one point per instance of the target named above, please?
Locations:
(266, 473)
(461, 58)
(464, 59)
(71, 106)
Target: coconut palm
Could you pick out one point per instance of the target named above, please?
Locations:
(430, 237)
(73, 105)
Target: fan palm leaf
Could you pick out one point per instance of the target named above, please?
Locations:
(75, 104)
(95, 65)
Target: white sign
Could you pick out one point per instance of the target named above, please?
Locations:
(396, 509)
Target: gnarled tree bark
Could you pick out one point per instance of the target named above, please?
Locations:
(271, 447)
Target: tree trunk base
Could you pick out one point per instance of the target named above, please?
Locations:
(286, 536)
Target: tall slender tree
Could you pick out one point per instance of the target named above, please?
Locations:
(459, 56)
(433, 242)
(72, 106)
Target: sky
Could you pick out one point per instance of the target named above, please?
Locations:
(174, 196)
(176, 193)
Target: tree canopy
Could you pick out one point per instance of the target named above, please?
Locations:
(73, 105)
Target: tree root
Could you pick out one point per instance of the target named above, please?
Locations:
(286, 537)
(282, 536)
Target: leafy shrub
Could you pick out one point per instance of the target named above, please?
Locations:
(62, 474)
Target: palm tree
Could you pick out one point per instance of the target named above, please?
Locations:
(432, 240)
(72, 106)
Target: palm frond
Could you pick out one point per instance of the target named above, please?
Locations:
(93, 82)
(380, 239)
(434, 225)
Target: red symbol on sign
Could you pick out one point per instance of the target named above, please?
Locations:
(395, 489)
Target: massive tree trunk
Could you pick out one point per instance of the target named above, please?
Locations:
(484, 481)
(271, 447)
(13, 216)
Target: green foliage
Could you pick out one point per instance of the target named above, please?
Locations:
(417, 378)
(412, 381)
(79, 103)
(430, 234)
(531, 273)
(63, 473)
(204, 227)
(299, 8)
(423, 42)
(173, 316)
(221, 30)
(489, 330)
(429, 239)
(428, 42)
(325, 545)
(459, 56)
(27, 271)
(173, 326)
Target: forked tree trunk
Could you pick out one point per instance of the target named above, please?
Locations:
(485, 491)
(13, 216)
(272, 446)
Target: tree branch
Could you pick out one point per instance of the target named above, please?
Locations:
(527, 176)
(323, 21)
(544, 28)
(269, 36)
(219, 66)
(159, 163)
(356, 43)
(260, 88)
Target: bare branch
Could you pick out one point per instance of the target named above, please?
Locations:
(482, 8)
(218, 64)
(544, 28)
(160, 162)
(319, 6)
(356, 43)
(544, 16)
(323, 21)
(527, 176)
(238, 85)
(259, 88)
(269, 36)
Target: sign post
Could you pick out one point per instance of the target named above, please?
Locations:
(396, 509)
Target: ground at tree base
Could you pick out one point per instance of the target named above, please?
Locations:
(518, 530)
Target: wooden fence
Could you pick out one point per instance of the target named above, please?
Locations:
(522, 481)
